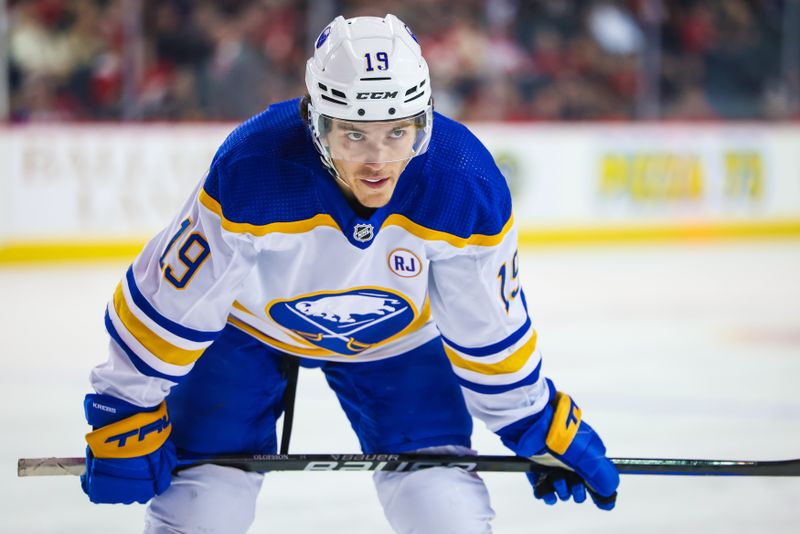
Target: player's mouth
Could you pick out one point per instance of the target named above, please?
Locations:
(375, 182)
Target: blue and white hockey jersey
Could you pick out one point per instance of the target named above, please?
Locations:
(267, 243)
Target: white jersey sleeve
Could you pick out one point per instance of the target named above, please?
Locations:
(172, 303)
(479, 306)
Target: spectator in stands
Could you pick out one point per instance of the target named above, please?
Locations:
(492, 59)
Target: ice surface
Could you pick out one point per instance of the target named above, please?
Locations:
(672, 350)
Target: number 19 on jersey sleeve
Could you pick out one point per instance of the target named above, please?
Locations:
(193, 252)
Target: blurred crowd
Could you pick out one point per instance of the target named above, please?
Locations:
(490, 59)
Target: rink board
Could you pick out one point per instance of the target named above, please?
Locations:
(98, 191)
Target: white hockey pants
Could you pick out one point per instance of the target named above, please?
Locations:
(221, 500)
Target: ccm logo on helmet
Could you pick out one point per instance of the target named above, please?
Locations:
(376, 95)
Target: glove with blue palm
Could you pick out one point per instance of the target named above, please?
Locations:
(560, 432)
(129, 457)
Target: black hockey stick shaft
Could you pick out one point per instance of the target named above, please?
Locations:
(413, 462)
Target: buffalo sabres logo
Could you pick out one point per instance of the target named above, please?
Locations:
(362, 232)
(344, 322)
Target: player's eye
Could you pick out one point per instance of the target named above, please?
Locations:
(397, 133)
(355, 136)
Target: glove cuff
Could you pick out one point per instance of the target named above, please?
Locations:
(102, 410)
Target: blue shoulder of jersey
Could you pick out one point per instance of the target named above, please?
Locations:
(461, 190)
(264, 171)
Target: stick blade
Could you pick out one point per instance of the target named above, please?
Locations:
(664, 466)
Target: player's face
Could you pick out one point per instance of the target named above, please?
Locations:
(370, 157)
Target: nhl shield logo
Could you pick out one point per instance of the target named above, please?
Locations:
(362, 232)
(344, 322)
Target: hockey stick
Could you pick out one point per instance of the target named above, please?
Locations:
(412, 462)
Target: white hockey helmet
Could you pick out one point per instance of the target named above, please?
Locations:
(369, 69)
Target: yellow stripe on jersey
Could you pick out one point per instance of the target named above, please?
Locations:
(294, 227)
(272, 342)
(429, 234)
(238, 306)
(161, 349)
(513, 363)
(311, 350)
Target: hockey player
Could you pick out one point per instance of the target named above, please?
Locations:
(362, 233)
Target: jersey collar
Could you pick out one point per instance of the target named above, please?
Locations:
(359, 231)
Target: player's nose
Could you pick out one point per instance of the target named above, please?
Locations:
(377, 154)
(374, 166)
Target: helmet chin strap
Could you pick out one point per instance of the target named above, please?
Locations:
(328, 164)
(338, 177)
